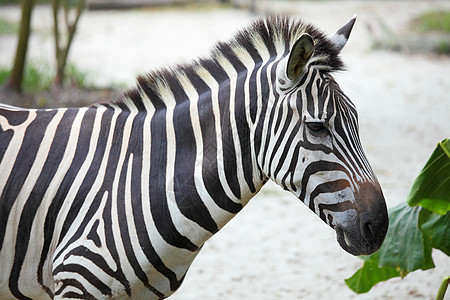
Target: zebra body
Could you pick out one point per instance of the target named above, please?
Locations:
(115, 200)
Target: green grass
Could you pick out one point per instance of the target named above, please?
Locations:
(35, 78)
(4, 73)
(8, 27)
(443, 48)
(77, 77)
(18, 2)
(433, 21)
(39, 77)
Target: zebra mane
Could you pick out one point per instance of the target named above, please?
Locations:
(274, 34)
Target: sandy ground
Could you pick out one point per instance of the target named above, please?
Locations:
(276, 248)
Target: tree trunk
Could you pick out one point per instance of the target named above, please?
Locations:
(62, 51)
(14, 81)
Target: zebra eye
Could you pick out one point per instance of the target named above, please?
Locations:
(316, 128)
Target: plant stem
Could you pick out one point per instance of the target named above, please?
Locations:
(443, 288)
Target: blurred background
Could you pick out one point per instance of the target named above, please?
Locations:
(398, 75)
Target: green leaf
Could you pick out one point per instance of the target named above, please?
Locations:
(369, 275)
(438, 206)
(436, 228)
(431, 189)
(405, 247)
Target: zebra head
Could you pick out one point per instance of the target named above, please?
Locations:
(329, 171)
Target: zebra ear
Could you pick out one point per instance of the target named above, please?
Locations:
(340, 37)
(301, 52)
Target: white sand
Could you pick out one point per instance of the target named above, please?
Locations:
(276, 248)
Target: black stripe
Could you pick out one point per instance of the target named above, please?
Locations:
(106, 187)
(73, 295)
(136, 97)
(147, 85)
(242, 126)
(265, 106)
(187, 198)
(286, 147)
(14, 117)
(228, 148)
(336, 207)
(81, 151)
(5, 138)
(88, 181)
(322, 93)
(292, 168)
(270, 128)
(237, 64)
(353, 136)
(83, 271)
(327, 187)
(280, 138)
(310, 103)
(93, 234)
(252, 93)
(33, 202)
(209, 167)
(135, 146)
(159, 208)
(243, 131)
(348, 144)
(22, 165)
(318, 166)
(279, 116)
(268, 137)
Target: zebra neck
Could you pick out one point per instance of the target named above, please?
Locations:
(204, 131)
(213, 159)
(202, 160)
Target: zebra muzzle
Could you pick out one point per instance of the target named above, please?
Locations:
(345, 241)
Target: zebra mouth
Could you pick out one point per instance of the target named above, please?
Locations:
(345, 243)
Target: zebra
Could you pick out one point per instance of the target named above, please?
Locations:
(116, 200)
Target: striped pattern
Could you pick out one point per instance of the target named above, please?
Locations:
(115, 200)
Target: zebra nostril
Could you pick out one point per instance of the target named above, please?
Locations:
(368, 229)
(368, 232)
